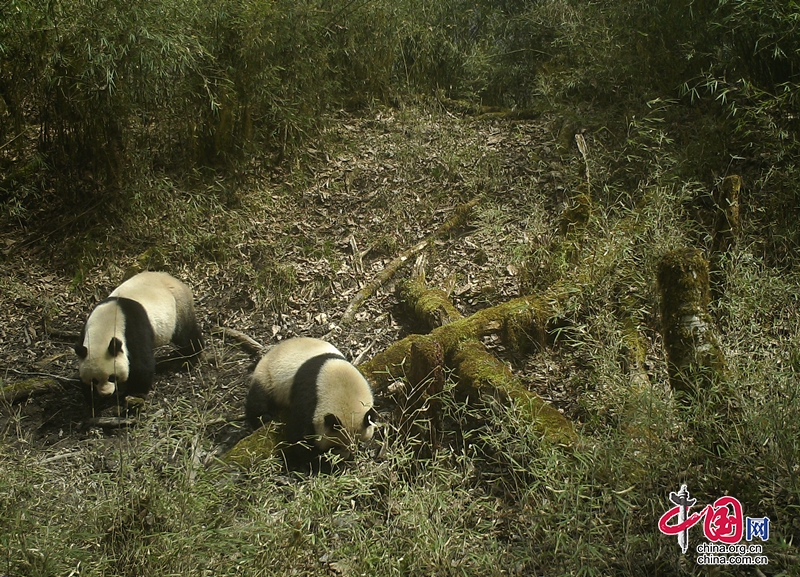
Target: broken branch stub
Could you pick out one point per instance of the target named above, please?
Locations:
(726, 218)
(726, 229)
(694, 357)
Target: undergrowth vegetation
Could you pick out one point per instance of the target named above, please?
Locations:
(263, 150)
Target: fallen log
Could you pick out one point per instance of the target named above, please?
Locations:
(482, 372)
(430, 305)
(259, 445)
(21, 390)
(520, 321)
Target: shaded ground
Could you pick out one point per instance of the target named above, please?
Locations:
(311, 239)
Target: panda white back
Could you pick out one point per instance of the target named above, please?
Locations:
(156, 292)
(115, 349)
(276, 371)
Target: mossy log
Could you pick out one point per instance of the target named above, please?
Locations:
(483, 373)
(575, 218)
(431, 306)
(459, 218)
(258, 445)
(21, 390)
(423, 399)
(520, 327)
(694, 356)
(521, 322)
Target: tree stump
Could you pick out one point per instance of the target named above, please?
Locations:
(726, 229)
(694, 357)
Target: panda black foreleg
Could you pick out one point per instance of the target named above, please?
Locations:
(142, 370)
(258, 407)
(300, 451)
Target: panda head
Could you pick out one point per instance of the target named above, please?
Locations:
(102, 369)
(345, 413)
(342, 434)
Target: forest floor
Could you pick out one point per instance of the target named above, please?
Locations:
(384, 183)
(283, 253)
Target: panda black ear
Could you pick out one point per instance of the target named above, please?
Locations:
(81, 351)
(114, 347)
(332, 422)
(371, 418)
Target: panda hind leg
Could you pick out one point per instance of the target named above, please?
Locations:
(189, 341)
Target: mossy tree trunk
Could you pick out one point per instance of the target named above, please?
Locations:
(694, 357)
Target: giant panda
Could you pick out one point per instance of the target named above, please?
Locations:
(324, 399)
(115, 347)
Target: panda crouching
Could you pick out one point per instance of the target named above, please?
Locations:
(115, 347)
(324, 400)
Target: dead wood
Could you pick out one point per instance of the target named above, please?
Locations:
(257, 446)
(431, 306)
(459, 217)
(726, 218)
(694, 356)
(522, 321)
(426, 377)
(21, 390)
(726, 231)
(247, 343)
(482, 372)
(110, 422)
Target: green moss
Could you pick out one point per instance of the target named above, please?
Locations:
(524, 329)
(529, 314)
(693, 352)
(430, 305)
(381, 369)
(253, 448)
(575, 218)
(22, 389)
(480, 371)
